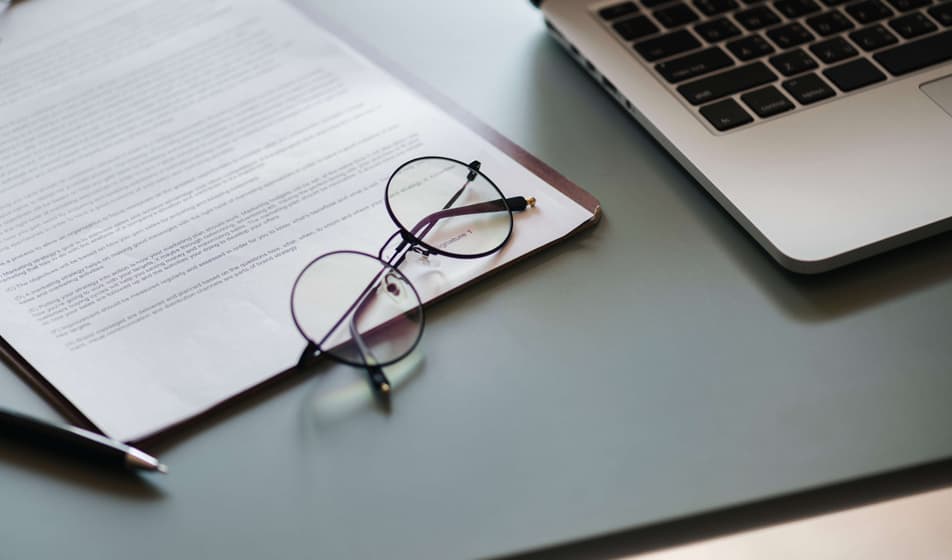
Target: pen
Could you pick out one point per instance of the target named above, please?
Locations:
(77, 442)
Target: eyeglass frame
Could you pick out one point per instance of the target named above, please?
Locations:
(410, 241)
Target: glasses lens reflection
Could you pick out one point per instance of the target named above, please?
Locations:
(357, 308)
(449, 207)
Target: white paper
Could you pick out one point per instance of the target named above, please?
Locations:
(167, 167)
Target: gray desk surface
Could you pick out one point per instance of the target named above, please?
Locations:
(658, 366)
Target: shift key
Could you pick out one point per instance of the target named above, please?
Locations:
(726, 83)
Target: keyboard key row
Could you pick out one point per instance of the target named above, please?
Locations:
(793, 62)
(917, 54)
(675, 16)
(833, 50)
(913, 25)
(717, 30)
(635, 28)
(694, 65)
(868, 11)
(854, 75)
(829, 23)
(618, 10)
(709, 79)
(942, 13)
(726, 83)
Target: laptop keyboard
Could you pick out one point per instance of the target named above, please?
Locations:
(737, 62)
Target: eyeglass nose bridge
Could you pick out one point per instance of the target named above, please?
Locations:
(413, 244)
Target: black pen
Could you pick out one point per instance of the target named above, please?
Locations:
(77, 442)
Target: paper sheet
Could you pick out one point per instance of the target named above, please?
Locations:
(167, 167)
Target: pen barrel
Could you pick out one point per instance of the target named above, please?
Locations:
(76, 442)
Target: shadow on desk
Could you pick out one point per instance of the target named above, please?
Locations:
(630, 151)
(753, 516)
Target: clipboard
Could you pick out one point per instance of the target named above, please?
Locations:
(586, 200)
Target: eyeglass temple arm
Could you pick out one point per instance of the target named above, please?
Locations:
(375, 375)
(515, 203)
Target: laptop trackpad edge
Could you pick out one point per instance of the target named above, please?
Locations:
(940, 91)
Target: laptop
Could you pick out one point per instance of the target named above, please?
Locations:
(824, 127)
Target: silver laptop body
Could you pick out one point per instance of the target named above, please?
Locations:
(823, 127)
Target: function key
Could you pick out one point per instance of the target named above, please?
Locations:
(868, 11)
(694, 65)
(756, 18)
(854, 75)
(635, 28)
(793, 62)
(717, 30)
(833, 50)
(725, 115)
(789, 35)
(942, 13)
(828, 23)
(917, 54)
(750, 47)
(906, 5)
(618, 10)
(767, 102)
(796, 8)
(912, 25)
(873, 38)
(715, 7)
(808, 89)
(726, 83)
(675, 15)
(667, 45)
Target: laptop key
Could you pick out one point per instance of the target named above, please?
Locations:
(726, 83)
(854, 75)
(726, 114)
(796, 8)
(942, 13)
(808, 89)
(906, 5)
(654, 3)
(675, 16)
(715, 7)
(913, 25)
(756, 18)
(793, 62)
(868, 11)
(833, 50)
(667, 45)
(617, 11)
(717, 30)
(750, 47)
(917, 54)
(694, 65)
(790, 35)
(635, 28)
(767, 102)
(834, 3)
(828, 23)
(872, 38)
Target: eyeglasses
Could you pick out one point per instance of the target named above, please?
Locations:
(360, 309)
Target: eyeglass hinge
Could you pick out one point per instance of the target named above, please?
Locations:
(473, 170)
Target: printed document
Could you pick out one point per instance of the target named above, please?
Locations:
(167, 167)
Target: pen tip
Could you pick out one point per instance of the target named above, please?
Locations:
(162, 468)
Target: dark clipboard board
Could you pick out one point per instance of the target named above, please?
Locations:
(580, 196)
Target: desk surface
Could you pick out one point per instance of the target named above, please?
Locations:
(658, 366)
